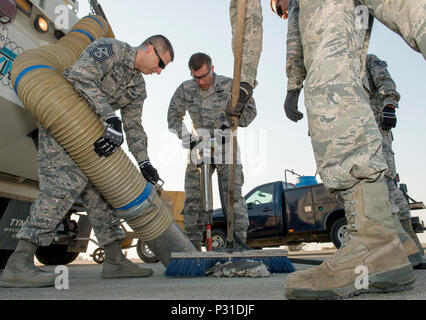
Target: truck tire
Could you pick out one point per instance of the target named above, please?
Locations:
(218, 238)
(337, 231)
(55, 254)
(144, 253)
(4, 256)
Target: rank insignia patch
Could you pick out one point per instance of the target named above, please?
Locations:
(102, 52)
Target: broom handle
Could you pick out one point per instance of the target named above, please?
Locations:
(238, 53)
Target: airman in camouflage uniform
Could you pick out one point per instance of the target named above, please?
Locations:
(347, 147)
(383, 95)
(106, 88)
(108, 75)
(205, 98)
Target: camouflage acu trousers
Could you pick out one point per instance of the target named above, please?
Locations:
(405, 17)
(193, 211)
(346, 141)
(397, 200)
(61, 182)
(253, 34)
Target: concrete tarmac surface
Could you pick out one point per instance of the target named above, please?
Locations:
(83, 282)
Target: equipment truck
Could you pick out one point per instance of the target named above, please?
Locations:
(27, 24)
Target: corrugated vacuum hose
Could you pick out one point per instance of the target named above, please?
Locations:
(53, 102)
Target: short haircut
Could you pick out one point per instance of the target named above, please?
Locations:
(161, 43)
(199, 59)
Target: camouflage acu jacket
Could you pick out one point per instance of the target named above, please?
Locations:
(206, 108)
(105, 76)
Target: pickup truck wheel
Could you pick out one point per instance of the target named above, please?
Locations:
(144, 253)
(337, 232)
(218, 238)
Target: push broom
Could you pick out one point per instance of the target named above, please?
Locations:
(192, 264)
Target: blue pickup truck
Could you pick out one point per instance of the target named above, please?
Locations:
(284, 214)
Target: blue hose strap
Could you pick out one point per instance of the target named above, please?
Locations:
(141, 198)
(92, 38)
(26, 70)
(97, 20)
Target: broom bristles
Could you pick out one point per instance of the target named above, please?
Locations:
(196, 264)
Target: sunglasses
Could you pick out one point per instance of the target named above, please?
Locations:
(203, 76)
(161, 63)
(279, 10)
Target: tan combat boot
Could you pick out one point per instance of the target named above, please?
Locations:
(20, 271)
(371, 258)
(406, 225)
(414, 253)
(116, 265)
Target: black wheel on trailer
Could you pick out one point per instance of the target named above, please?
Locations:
(145, 253)
(99, 255)
(55, 254)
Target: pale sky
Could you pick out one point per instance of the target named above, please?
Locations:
(272, 143)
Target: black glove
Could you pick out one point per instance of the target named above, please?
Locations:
(246, 92)
(388, 120)
(189, 141)
(112, 138)
(290, 105)
(149, 172)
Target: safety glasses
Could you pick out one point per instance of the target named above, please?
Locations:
(203, 76)
(161, 63)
